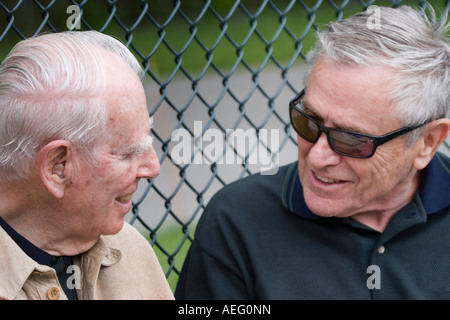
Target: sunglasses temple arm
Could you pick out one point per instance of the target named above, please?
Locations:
(396, 134)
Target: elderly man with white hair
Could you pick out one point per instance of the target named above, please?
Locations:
(74, 142)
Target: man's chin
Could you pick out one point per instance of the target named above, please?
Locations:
(113, 228)
(323, 206)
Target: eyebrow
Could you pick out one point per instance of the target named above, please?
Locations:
(143, 146)
(307, 108)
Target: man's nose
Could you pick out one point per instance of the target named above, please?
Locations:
(321, 154)
(149, 166)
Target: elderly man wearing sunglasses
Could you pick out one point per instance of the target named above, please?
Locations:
(365, 212)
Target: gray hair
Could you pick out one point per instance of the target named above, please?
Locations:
(408, 41)
(50, 88)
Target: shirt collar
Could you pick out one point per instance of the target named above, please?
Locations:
(16, 266)
(435, 186)
(433, 190)
(292, 195)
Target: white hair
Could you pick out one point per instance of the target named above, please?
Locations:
(406, 40)
(50, 88)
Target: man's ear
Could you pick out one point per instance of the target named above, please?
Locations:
(434, 134)
(55, 165)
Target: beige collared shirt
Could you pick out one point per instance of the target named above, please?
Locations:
(121, 266)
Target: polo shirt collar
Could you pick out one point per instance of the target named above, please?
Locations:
(433, 190)
(292, 195)
(435, 187)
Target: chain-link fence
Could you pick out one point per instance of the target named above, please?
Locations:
(218, 73)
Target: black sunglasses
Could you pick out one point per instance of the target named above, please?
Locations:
(344, 142)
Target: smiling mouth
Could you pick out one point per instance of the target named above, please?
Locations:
(325, 180)
(124, 199)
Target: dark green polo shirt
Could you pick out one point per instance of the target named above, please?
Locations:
(257, 239)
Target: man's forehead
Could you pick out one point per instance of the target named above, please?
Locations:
(354, 98)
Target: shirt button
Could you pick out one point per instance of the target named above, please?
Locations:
(381, 249)
(53, 293)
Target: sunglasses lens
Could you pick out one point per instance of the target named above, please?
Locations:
(351, 144)
(306, 128)
(344, 142)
